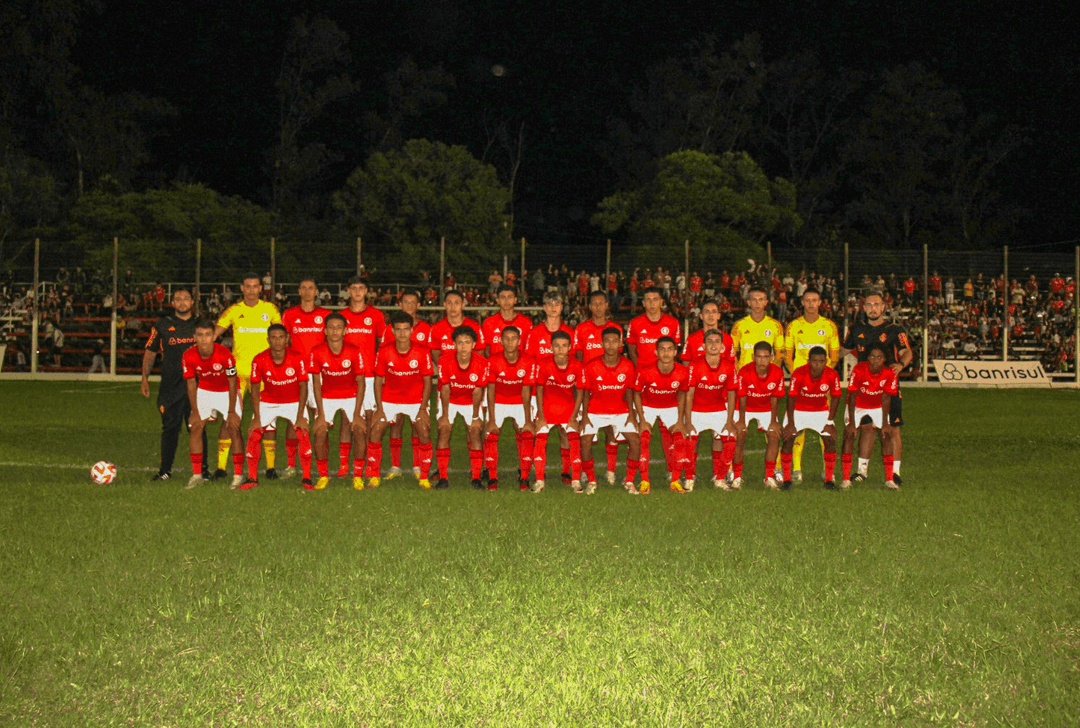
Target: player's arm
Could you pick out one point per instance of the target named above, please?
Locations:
(778, 346)
(680, 423)
(834, 404)
(833, 347)
(316, 383)
(148, 358)
(490, 425)
(378, 386)
(193, 400)
(583, 401)
(628, 398)
(425, 401)
(256, 398)
(361, 385)
(787, 350)
(774, 410)
(478, 402)
(730, 425)
(539, 421)
(636, 408)
(444, 404)
(233, 419)
(905, 356)
(886, 401)
(578, 414)
(301, 414)
(851, 426)
(526, 401)
(688, 408)
(742, 411)
(789, 407)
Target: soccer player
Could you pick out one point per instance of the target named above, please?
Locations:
(249, 318)
(646, 329)
(607, 401)
(336, 369)
(588, 339)
(812, 399)
(210, 372)
(496, 323)
(695, 342)
(660, 398)
(171, 336)
(364, 327)
(871, 387)
(558, 401)
(511, 377)
(462, 382)
(898, 355)
(279, 389)
(409, 303)
(306, 324)
(538, 342)
(803, 334)
(402, 391)
(761, 386)
(711, 405)
(421, 334)
(756, 327)
(442, 333)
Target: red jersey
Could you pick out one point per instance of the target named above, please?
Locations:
(462, 382)
(403, 374)
(712, 384)
(363, 331)
(307, 329)
(607, 386)
(695, 347)
(560, 388)
(659, 390)
(812, 395)
(421, 334)
(280, 382)
(538, 345)
(643, 333)
(337, 372)
(587, 340)
(213, 372)
(441, 339)
(760, 391)
(510, 378)
(869, 387)
(494, 325)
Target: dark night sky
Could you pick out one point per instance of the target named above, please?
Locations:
(570, 66)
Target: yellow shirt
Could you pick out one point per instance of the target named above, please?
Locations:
(802, 337)
(746, 333)
(249, 325)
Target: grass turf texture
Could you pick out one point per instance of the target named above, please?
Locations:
(954, 601)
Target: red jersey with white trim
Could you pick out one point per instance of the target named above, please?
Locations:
(868, 387)
(404, 374)
(493, 327)
(643, 333)
(280, 382)
(588, 340)
(538, 345)
(607, 386)
(560, 388)
(441, 338)
(213, 372)
(812, 395)
(307, 329)
(712, 384)
(462, 382)
(337, 372)
(695, 347)
(660, 390)
(363, 331)
(421, 334)
(760, 391)
(510, 378)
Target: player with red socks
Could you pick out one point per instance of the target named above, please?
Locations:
(210, 371)
(402, 392)
(558, 400)
(589, 345)
(660, 398)
(695, 342)
(761, 385)
(608, 402)
(495, 324)
(364, 327)
(871, 386)
(511, 377)
(409, 302)
(812, 399)
(306, 324)
(282, 374)
(710, 406)
(462, 382)
(538, 346)
(337, 370)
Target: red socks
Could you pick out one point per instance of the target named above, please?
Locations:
(888, 462)
(727, 454)
(395, 452)
(612, 450)
(491, 455)
(323, 467)
(196, 463)
(540, 455)
(374, 457)
(304, 443)
(845, 464)
(291, 448)
(666, 442)
(719, 470)
(632, 469)
(589, 466)
(564, 453)
(525, 453)
(574, 457)
(785, 464)
(737, 467)
(417, 456)
(442, 458)
(646, 438)
(343, 453)
(770, 468)
(476, 462)
(238, 462)
(254, 452)
(830, 465)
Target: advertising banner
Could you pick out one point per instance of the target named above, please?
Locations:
(991, 373)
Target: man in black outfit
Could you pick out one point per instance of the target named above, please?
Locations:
(171, 336)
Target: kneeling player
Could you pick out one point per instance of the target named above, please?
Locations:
(710, 405)
(660, 398)
(761, 385)
(282, 374)
(871, 387)
(462, 381)
(210, 371)
(337, 376)
(558, 401)
(402, 391)
(812, 399)
(511, 376)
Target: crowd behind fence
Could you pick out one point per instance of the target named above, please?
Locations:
(988, 305)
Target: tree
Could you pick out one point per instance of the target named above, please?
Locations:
(411, 92)
(403, 201)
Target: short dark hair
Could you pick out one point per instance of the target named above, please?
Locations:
(510, 328)
(505, 287)
(757, 289)
(305, 279)
(763, 346)
(453, 292)
(815, 350)
(561, 335)
(204, 323)
(182, 289)
(596, 294)
(335, 316)
(813, 290)
(463, 330)
(276, 327)
(400, 317)
(251, 274)
(877, 347)
(712, 332)
(411, 292)
(666, 340)
(356, 279)
(611, 330)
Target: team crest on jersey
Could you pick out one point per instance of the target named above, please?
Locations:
(883, 338)
(318, 319)
(472, 377)
(347, 363)
(824, 387)
(217, 367)
(420, 337)
(570, 379)
(413, 363)
(621, 377)
(266, 317)
(290, 371)
(664, 331)
(772, 386)
(768, 332)
(821, 332)
(675, 384)
(367, 321)
(521, 372)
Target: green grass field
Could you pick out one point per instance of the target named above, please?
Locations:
(955, 601)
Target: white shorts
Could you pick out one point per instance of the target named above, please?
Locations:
(874, 415)
(816, 421)
(714, 421)
(618, 424)
(668, 416)
(763, 419)
(369, 395)
(464, 410)
(270, 411)
(393, 409)
(504, 412)
(211, 402)
(331, 407)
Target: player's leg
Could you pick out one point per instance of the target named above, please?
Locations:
(539, 461)
(644, 454)
(196, 442)
(442, 453)
(524, 439)
(474, 432)
(564, 454)
(633, 461)
(173, 417)
(787, 448)
(358, 430)
(847, 452)
(867, 436)
(611, 449)
(772, 451)
(236, 437)
(397, 430)
(490, 453)
(422, 449)
(269, 446)
(796, 457)
(254, 439)
(345, 442)
(374, 449)
(321, 433)
(588, 468)
(828, 444)
(292, 447)
(737, 458)
(896, 419)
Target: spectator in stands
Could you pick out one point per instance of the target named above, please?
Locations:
(56, 343)
(97, 358)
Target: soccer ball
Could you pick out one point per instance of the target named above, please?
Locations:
(103, 473)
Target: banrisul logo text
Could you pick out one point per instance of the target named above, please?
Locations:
(991, 373)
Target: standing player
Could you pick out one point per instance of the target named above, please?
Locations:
(421, 334)
(558, 401)
(336, 369)
(462, 381)
(496, 323)
(812, 399)
(510, 379)
(660, 398)
(306, 324)
(756, 327)
(710, 405)
(249, 318)
(364, 327)
(803, 334)
(695, 342)
(171, 336)
(278, 389)
(538, 343)
(761, 386)
(442, 333)
(898, 355)
(871, 388)
(588, 338)
(645, 330)
(210, 372)
(402, 392)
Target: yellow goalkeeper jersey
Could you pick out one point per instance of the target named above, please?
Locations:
(746, 333)
(249, 325)
(802, 336)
